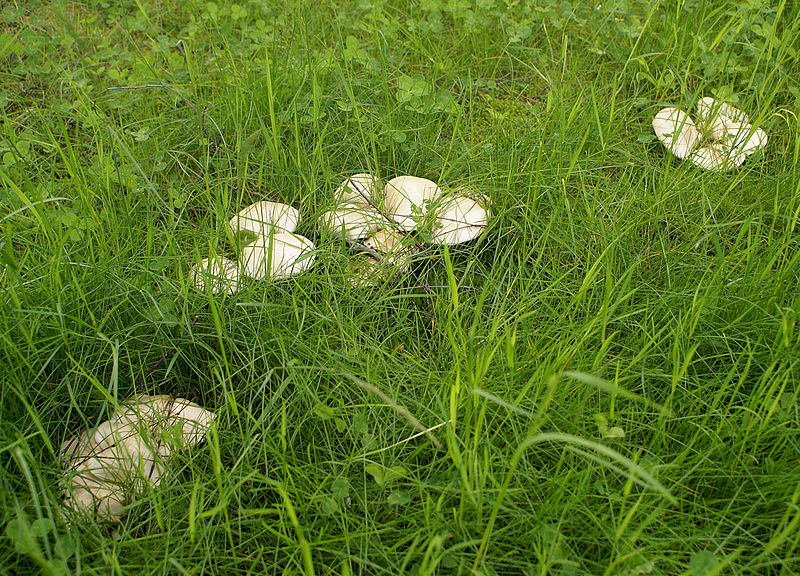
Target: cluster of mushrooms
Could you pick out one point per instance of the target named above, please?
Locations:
(387, 225)
(109, 464)
(721, 138)
(275, 253)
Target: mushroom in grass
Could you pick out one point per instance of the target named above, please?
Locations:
(272, 224)
(354, 215)
(277, 256)
(108, 465)
(718, 115)
(460, 218)
(359, 189)
(730, 138)
(407, 199)
(720, 140)
(218, 274)
(711, 158)
(393, 246)
(352, 221)
(676, 131)
(262, 218)
(414, 210)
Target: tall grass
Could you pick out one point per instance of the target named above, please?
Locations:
(609, 371)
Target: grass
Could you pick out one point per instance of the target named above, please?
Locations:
(616, 287)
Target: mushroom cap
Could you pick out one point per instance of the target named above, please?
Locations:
(745, 139)
(364, 270)
(263, 217)
(715, 157)
(719, 116)
(193, 420)
(102, 470)
(386, 241)
(395, 248)
(120, 456)
(105, 504)
(715, 128)
(407, 198)
(168, 413)
(116, 462)
(352, 221)
(219, 274)
(708, 108)
(461, 218)
(676, 131)
(741, 140)
(359, 189)
(277, 256)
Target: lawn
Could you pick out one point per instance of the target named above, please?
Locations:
(604, 382)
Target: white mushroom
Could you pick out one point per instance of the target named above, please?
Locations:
(714, 156)
(461, 218)
(219, 274)
(708, 108)
(277, 256)
(104, 500)
(728, 124)
(721, 140)
(359, 189)
(366, 270)
(352, 221)
(676, 131)
(714, 128)
(264, 217)
(172, 414)
(745, 139)
(107, 465)
(395, 248)
(194, 421)
(407, 199)
(390, 243)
